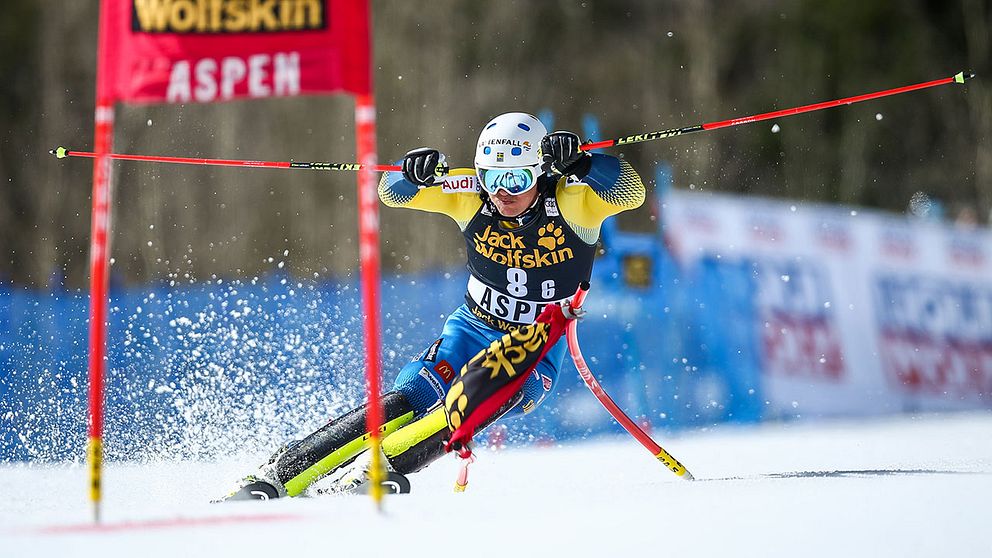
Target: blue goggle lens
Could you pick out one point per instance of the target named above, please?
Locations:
(514, 181)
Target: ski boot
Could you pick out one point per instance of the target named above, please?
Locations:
(254, 488)
(355, 479)
(263, 485)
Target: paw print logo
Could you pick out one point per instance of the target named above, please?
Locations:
(550, 236)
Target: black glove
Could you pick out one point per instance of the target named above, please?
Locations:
(420, 166)
(560, 152)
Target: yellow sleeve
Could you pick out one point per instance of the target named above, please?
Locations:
(395, 191)
(586, 204)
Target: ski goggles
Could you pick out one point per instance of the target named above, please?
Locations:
(514, 180)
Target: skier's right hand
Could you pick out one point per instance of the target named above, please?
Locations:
(423, 166)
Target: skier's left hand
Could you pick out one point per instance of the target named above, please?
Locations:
(561, 153)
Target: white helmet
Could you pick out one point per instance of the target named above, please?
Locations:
(508, 154)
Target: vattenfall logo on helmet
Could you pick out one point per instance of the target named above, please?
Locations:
(526, 145)
(507, 248)
(227, 16)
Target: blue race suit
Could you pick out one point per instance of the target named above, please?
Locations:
(515, 268)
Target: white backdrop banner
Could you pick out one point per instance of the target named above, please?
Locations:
(856, 312)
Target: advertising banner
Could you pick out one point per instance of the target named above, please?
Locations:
(183, 51)
(856, 312)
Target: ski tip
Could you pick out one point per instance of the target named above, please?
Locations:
(59, 152)
(961, 77)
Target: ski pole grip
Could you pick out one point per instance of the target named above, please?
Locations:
(580, 295)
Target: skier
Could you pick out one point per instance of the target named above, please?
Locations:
(531, 229)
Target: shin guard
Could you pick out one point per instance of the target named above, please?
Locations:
(424, 441)
(336, 443)
(490, 381)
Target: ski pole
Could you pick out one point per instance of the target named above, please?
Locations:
(62, 153)
(960, 77)
(659, 452)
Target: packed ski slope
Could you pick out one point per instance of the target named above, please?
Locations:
(898, 487)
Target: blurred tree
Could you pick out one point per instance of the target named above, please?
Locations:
(977, 16)
(442, 69)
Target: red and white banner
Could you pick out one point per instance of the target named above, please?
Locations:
(183, 51)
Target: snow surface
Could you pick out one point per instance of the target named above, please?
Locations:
(899, 487)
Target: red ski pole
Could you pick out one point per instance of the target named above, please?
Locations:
(960, 77)
(62, 153)
(659, 452)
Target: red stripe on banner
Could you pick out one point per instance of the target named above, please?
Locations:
(173, 523)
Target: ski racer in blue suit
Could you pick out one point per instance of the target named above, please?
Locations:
(530, 213)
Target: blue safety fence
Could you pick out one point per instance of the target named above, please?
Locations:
(204, 369)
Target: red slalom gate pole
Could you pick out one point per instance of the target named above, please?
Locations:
(99, 292)
(100, 227)
(369, 261)
(589, 379)
(63, 152)
(960, 77)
